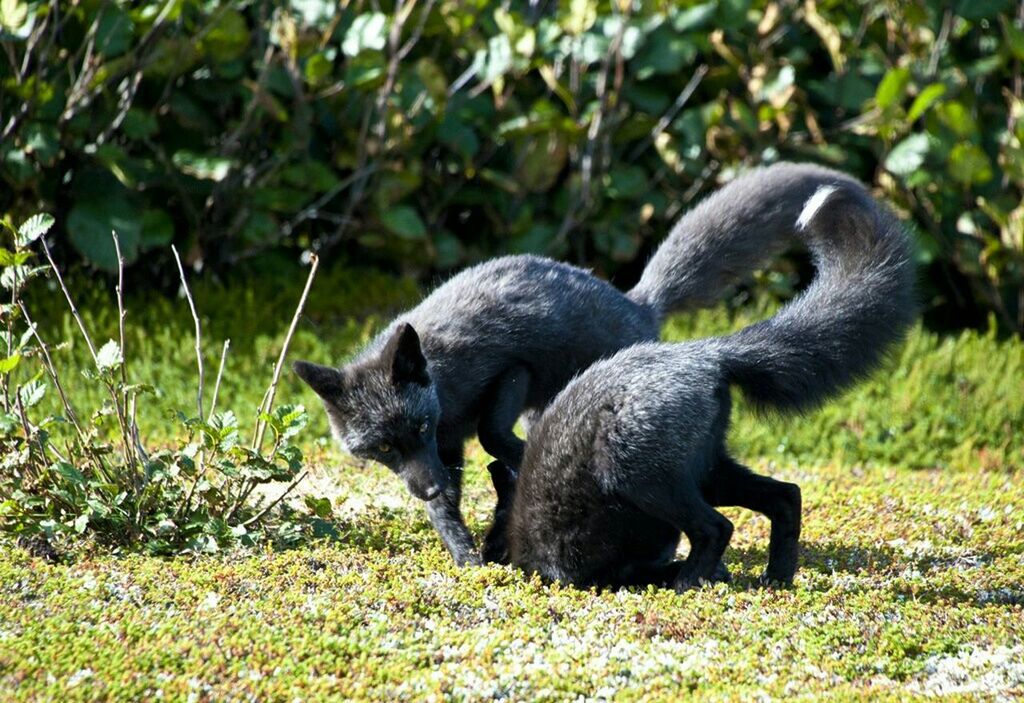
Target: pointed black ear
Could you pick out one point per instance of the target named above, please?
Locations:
(325, 381)
(408, 364)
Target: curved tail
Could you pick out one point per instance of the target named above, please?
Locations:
(730, 234)
(860, 302)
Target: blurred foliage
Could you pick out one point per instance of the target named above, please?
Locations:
(422, 135)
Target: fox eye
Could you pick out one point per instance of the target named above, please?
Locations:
(424, 427)
(384, 448)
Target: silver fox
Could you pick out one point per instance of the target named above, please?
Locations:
(631, 455)
(502, 338)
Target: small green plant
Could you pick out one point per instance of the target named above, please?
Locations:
(68, 475)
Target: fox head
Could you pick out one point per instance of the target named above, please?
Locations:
(385, 408)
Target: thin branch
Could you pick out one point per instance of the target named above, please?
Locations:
(199, 332)
(52, 371)
(120, 305)
(131, 437)
(268, 398)
(671, 113)
(71, 303)
(220, 373)
(270, 506)
(313, 209)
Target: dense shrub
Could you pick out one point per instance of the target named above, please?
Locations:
(74, 471)
(425, 134)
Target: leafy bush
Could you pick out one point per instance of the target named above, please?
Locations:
(426, 134)
(69, 474)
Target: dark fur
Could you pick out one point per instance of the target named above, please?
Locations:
(506, 336)
(632, 453)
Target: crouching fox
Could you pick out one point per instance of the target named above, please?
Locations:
(632, 453)
(504, 337)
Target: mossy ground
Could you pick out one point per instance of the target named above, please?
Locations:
(911, 582)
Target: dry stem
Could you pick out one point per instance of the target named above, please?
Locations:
(199, 333)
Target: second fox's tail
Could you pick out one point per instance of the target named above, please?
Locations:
(730, 234)
(860, 302)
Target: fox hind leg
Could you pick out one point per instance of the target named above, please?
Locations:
(732, 484)
(707, 530)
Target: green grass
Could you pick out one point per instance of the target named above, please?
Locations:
(910, 584)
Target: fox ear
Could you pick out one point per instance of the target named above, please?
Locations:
(408, 364)
(328, 383)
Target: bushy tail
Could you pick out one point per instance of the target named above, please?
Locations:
(730, 234)
(860, 302)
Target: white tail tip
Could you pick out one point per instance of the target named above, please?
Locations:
(813, 205)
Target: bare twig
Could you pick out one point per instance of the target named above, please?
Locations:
(51, 370)
(120, 305)
(313, 209)
(270, 506)
(671, 113)
(131, 436)
(220, 373)
(940, 42)
(268, 398)
(583, 194)
(199, 331)
(71, 303)
(127, 96)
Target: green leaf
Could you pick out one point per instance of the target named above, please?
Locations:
(12, 14)
(321, 507)
(693, 17)
(578, 15)
(81, 522)
(114, 31)
(664, 52)
(404, 221)
(10, 258)
(317, 70)
(1014, 39)
(969, 164)
(626, 182)
(33, 228)
(69, 473)
(205, 166)
(7, 365)
(497, 60)
(909, 155)
(958, 118)
(157, 229)
(892, 87)
(103, 205)
(21, 274)
(32, 392)
(368, 31)
(228, 36)
(982, 9)
(925, 99)
(109, 357)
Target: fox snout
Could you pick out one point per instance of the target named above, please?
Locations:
(425, 476)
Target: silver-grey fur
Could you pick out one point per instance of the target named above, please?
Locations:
(506, 336)
(632, 453)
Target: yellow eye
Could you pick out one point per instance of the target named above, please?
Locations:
(424, 427)
(383, 447)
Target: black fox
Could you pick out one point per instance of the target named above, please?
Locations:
(504, 337)
(632, 453)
